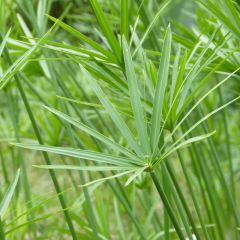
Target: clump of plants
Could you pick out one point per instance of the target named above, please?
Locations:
(119, 119)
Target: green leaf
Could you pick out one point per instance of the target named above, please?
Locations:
(231, 20)
(82, 37)
(108, 33)
(198, 122)
(19, 63)
(108, 178)
(195, 69)
(113, 113)
(186, 143)
(82, 154)
(8, 195)
(151, 25)
(84, 168)
(124, 19)
(160, 89)
(4, 41)
(135, 175)
(204, 97)
(94, 133)
(135, 99)
(175, 74)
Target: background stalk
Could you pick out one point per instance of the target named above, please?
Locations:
(45, 155)
(167, 206)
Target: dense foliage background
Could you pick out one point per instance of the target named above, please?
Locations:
(119, 119)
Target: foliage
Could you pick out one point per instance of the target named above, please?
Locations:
(123, 118)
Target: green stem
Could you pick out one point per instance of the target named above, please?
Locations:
(193, 195)
(183, 201)
(209, 186)
(148, 202)
(2, 234)
(167, 206)
(69, 129)
(173, 187)
(201, 187)
(228, 145)
(13, 107)
(45, 155)
(223, 180)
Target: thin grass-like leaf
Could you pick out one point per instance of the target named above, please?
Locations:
(117, 119)
(135, 175)
(4, 41)
(108, 33)
(202, 120)
(82, 37)
(82, 154)
(135, 99)
(108, 178)
(151, 25)
(19, 63)
(84, 168)
(124, 18)
(186, 143)
(160, 89)
(94, 133)
(8, 195)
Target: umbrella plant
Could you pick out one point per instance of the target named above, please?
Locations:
(128, 110)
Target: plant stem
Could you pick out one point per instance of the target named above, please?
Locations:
(183, 201)
(187, 177)
(69, 130)
(209, 186)
(228, 145)
(176, 197)
(221, 175)
(167, 206)
(166, 189)
(45, 155)
(2, 234)
(25, 181)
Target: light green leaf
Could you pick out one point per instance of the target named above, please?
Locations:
(135, 175)
(108, 178)
(8, 195)
(107, 31)
(113, 113)
(20, 62)
(160, 89)
(151, 25)
(186, 143)
(82, 154)
(94, 133)
(135, 99)
(124, 18)
(82, 37)
(4, 41)
(84, 168)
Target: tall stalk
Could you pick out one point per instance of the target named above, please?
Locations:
(2, 235)
(193, 195)
(90, 212)
(222, 177)
(228, 145)
(167, 206)
(25, 179)
(177, 200)
(210, 189)
(45, 155)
